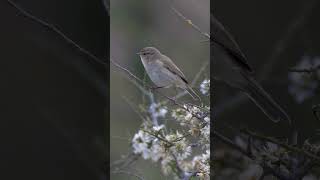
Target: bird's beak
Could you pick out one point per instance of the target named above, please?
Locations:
(138, 53)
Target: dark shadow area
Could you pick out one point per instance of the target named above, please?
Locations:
(275, 37)
(53, 98)
(280, 41)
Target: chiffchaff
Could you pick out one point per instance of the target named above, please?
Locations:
(163, 72)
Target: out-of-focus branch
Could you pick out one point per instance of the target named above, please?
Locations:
(90, 56)
(57, 31)
(296, 168)
(230, 143)
(247, 152)
(128, 173)
(315, 110)
(294, 27)
(305, 70)
(106, 4)
(283, 145)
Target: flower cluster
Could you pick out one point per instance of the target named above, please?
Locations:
(153, 143)
(181, 153)
(196, 120)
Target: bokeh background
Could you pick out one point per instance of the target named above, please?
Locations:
(275, 36)
(53, 97)
(137, 24)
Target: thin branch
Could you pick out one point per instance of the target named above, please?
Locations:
(294, 27)
(57, 31)
(158, 137)
(197, 76)
(127, 71)
(188, 21)
(132, 78)
(106, 4)
(230, 143)
(133, 108)
(306, 70)
(284, 145)
(128, 173)
(315, 110)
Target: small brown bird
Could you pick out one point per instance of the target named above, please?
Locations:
(163, 72)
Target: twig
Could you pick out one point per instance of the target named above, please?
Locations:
(306, 70)
(133, 108)
(296, 25)
(195, 27)
(158, 137)
(284, 145)
(58, 32)
(315, 110)
(279, 47)
(128, 173)
(106, 4)
(127, 71)
(231, 144)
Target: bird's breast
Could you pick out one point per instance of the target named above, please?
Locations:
(158, 73)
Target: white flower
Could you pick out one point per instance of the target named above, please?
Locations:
(178, 113)
(205, 86)
(141, 144)
(157, 111)
(207, 119)
(157, 151)
(181, 148)
(148, 146)
(176, 150)
(205, 132)
(158, 128)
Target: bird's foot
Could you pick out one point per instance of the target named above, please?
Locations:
(155, 88)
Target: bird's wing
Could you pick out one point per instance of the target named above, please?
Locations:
(223, 38)
(168, 64)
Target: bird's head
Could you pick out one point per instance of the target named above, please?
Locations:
(148, 52)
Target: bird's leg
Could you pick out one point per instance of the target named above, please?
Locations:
(156, 87)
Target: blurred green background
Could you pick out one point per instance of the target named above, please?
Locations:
(137, 24)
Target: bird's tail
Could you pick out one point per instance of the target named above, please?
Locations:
(193, 94)
(264, 101)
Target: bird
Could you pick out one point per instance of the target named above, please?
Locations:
(163, 72)
(231, 66)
